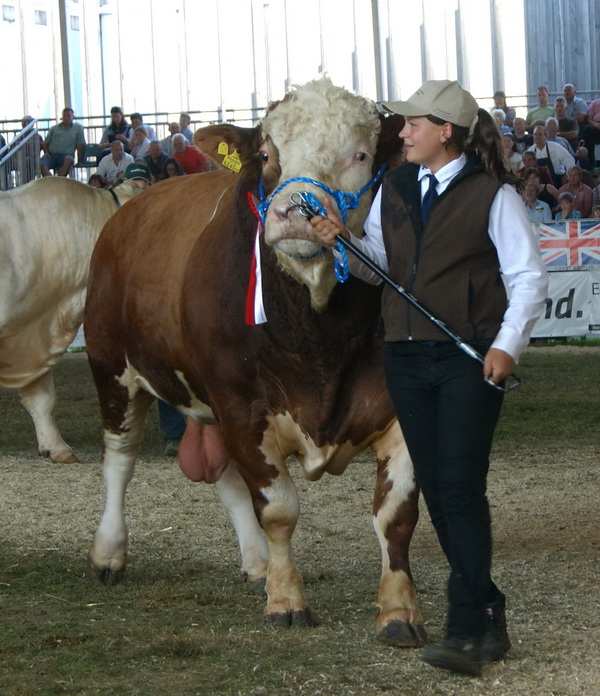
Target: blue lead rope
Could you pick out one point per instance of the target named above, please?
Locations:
(342, 272)
(345, 201)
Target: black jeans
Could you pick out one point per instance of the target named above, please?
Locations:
(448, 415)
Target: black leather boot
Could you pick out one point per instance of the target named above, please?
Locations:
(496, 642)
(462, 655)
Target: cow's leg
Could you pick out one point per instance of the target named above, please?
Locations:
(108, 553)
(395, 515)
(235, 496)
(39, 399)
(286, 604)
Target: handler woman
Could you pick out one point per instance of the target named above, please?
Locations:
(444, 225)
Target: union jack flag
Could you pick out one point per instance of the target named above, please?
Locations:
(570, 242)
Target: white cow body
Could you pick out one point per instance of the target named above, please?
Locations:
(48, 229)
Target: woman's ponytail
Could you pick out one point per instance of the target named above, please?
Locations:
(486, 142)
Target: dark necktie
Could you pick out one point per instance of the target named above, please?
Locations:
(428, 198)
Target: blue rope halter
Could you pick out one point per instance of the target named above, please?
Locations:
(345, 202)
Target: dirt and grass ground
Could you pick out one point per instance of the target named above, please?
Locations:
(183, 622)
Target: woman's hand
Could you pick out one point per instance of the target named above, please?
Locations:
(328, 228)
(497, 365)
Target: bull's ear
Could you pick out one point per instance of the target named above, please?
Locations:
(224, 141)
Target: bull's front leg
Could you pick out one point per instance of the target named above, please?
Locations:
(286, 605)
(39, 399)
(395, 515)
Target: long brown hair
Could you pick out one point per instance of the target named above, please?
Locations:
(485, 141)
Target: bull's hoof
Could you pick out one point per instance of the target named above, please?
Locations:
(302, 617)
(59, 456)
(103, 576)
(257, 587)
(402, 635)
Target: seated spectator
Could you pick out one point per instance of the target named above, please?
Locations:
(167, 143)
(139, 143)
(499, 117)
(118, 129)
(191, 159)
(500, 103)
(60, 144)
(554, 137)
(137, 120)
(184, 127)
(591, 130)
(596, 211)
(112, 168)
(568, 128)
(537, 210)
(537, 115)
(576, 107)
(155, 159)
(31, 149)
(522, 137)
(567, 212)
(96, 181)
(529, 162)
(512, 157)
(139, 173)
(551, 155)
(582, 194)
(171, 168)
(546, 192)
(595, 196)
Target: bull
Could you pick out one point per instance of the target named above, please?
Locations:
(165, 317)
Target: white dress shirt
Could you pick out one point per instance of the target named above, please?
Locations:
(518, 252)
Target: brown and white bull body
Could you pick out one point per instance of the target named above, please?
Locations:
(48, 229)
(165, 317)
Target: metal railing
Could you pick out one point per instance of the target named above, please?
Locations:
(20, 158)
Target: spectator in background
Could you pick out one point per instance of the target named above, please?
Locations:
(60, 144)
(139, 143)
(551, 155)
(499, 117)
(537, 115)
(529, 162)
(184, 127)
(546, 192)
(537, 210)
(523, 139)
(191, 160)
(139, 173)
(596, 211)
(576, 107)
(112, 168)
(568, 128)
(167, 143)
(155, 159)
(118, 129)
(171, 168)
(582, 194)
(553, 136)
(30, 171)
(510, 153)
(500, 103)
(137, 120)
(96, 181)
(567, 212)
(591, 130)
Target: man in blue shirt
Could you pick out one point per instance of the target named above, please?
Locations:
(60, 145)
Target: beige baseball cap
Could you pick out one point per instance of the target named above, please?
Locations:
(445, 99)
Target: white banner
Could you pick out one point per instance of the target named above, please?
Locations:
(572, 307)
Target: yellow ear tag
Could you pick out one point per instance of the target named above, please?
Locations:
(223, 148)
(232, 161)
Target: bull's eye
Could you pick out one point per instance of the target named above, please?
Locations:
(264, 156)
(361, 156)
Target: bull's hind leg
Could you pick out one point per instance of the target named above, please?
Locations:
(39, 399)
(123, 413)
(235, 497)
(395, 515)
